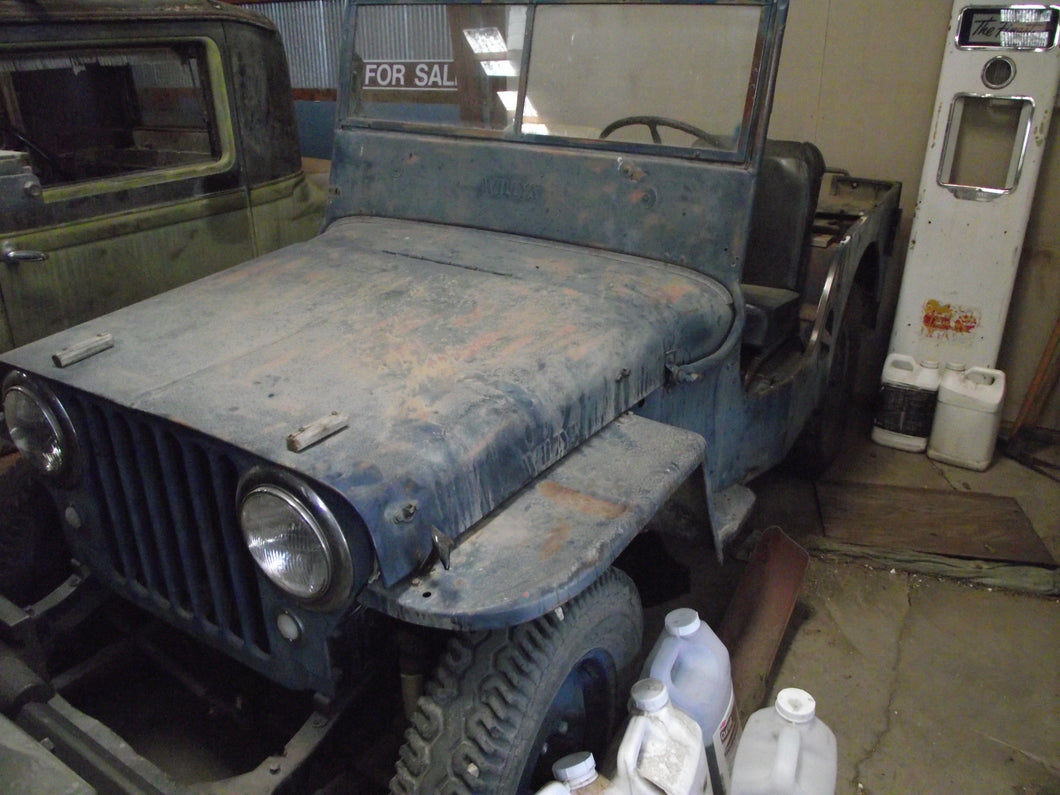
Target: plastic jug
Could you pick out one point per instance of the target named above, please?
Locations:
(967, 417)
(786, 750)
(577, 773)
(553, 788)
(661, 749)
(693, 663)
(906, 405)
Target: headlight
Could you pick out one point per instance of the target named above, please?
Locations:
(296, 545)
(36, 429)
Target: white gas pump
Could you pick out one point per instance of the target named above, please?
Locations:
(996, 94)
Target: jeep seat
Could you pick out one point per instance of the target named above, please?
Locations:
(778, 245)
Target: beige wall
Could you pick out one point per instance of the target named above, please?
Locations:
(858, 78)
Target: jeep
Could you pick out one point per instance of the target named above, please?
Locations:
(564, 278)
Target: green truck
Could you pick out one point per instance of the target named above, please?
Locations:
(142, 145)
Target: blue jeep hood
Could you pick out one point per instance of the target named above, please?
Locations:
(467, 362)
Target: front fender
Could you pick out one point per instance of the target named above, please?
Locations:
(556, 536)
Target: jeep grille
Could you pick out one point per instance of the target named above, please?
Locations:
(168, 523)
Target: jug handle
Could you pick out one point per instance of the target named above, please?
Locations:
(626, 761)
(786, 765)
(987, 372)
(667, 658)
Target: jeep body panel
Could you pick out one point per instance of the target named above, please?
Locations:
(449, 412)
(694, 215)
(139, 202)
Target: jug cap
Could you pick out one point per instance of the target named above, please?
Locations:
(795, 705)
(958, 366)
(649, 695)
(578, 768)
(930, 364)
(682, 622)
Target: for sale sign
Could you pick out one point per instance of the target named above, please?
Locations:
(410, 75)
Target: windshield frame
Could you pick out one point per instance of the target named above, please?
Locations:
(747, 143)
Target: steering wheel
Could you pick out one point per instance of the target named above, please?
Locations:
(653, 123)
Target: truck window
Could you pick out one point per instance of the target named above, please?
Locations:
(587, 67)
(88, 114)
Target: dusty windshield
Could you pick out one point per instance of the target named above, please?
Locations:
(670, 75)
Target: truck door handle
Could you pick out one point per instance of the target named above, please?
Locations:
(13, 256)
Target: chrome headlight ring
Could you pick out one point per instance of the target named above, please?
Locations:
(39, 427)
(294, 538)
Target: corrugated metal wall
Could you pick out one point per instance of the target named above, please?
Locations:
(312, 36)
(404, 33)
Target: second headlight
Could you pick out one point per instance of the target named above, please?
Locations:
(287, 542)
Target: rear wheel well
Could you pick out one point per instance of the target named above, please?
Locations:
(867, 278)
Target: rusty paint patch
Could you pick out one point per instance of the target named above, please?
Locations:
(946, 321)
(555, 539)
(581, 502)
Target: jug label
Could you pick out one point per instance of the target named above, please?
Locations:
(722, 751)
(729, 729)
(906, 410)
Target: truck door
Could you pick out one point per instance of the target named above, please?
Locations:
(140, 190)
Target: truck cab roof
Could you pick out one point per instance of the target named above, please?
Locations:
(82, 11)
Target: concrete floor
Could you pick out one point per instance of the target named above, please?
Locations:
(930, 685)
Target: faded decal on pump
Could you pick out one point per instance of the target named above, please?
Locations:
(948, 321)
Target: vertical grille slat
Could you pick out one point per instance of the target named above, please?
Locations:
(119, 541)
(243, 583)
(160, 531)
(184, 528)
(160, 510)
(167, 502)
(132, 494)
(195, 466)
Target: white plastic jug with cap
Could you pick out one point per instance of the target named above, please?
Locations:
(553, 788)
(661, 749)
(694, 665)
(576, 774)
(786, 750)
(906, 403)
(968, 416)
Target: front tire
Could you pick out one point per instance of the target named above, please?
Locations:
(505, 704)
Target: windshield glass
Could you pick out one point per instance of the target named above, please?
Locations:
(670, 75)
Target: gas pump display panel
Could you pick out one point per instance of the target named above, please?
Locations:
(1008, 27)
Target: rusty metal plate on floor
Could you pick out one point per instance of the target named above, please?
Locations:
(953, 523)
(758, 615)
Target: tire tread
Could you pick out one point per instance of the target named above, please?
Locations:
(468, 720)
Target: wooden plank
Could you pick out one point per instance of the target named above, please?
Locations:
(958, 524)
(990, 574)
